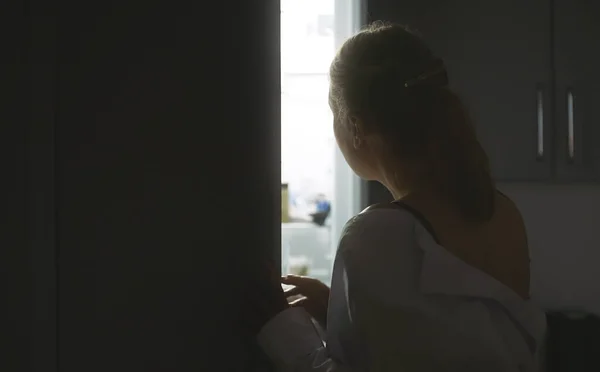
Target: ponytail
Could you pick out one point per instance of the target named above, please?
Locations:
(468, 176)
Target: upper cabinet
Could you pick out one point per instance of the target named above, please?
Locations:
(526, 72)
(577, 94)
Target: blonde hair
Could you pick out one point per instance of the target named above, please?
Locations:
(388, 77)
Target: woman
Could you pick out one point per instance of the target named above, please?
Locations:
(438, 280)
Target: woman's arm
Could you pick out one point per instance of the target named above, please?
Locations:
(292, 341)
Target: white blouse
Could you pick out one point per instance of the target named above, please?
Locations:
(401, 302)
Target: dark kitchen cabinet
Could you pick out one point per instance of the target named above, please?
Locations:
(577, 95)
(498, 54)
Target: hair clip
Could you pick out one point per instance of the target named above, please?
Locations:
(440, 71)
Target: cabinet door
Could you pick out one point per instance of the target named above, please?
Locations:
(16, 333)
(577, 59)
(498, 59)
(153, 258)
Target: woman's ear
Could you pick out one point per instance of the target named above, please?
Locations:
(357, 131)
(356, 126)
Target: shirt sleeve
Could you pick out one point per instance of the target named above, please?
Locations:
(291, 339)
(293, 343)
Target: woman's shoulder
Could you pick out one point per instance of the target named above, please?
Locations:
(379, 248)
(377, 227)
(379, 218)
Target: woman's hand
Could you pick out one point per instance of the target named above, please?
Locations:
(264, 298)
(314, 296)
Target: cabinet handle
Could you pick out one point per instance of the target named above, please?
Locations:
(570, 126)
(540, 123)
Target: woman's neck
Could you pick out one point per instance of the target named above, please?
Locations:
(425, 191)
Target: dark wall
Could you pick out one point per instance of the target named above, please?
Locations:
(16, 312)
(154, 183)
